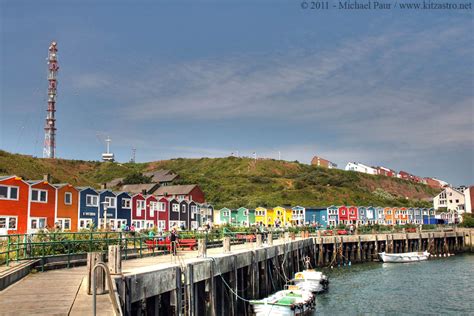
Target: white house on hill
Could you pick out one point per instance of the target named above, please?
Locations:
(357, 166)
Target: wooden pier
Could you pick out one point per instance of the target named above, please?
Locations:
(218, 283)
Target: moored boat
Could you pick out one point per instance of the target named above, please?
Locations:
(404, 257)
(285, 302)
(311, 280)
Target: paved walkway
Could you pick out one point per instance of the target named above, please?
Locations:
(63, 292)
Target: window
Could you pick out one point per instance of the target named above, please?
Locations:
(175, 208)
(140, 207)
(389, 212)
(161, 206)
(457, 201)
(39, 195)
(343, 212)
(153, 208)
(193, 211)
(68, 198)
(225, 213)
(181, 197)
(64, 223)
(8, 222)
(161, 224)
(246, 213)
(85, 223)
(38, 223)
(126, 203)
(92, 200)
(8, 192)
(110, 202)
(183, 208)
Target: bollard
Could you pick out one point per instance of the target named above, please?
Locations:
(94, 258)
(307, 234)
(287, 236)
(202, 248)
(226, 243)
(259, 240)
(115, 259)
(270, 239)
(319, 233)
(292, 236)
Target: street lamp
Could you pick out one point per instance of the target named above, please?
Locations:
(105, 206)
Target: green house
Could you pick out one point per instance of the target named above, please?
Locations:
(225, 216)
(245, 217)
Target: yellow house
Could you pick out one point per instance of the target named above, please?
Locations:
(270, 220)
(279, 214)
(288, 216)
(261, 216)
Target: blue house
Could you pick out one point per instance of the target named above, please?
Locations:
(107, 209)
(316, 216)
(380, 217)
(429, 216)
(371, 215)
(333, 216)
(417, 216)
(298, 216)
(124, 209)
(88, 207)
(362, 215)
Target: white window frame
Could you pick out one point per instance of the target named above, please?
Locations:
(70, 198)
(83, 223)
(93, 198)
(153, 208)
(193, 211)
(161, 224)
(7, 222)
(9, 192)
(63, 221)
(175, 207)
(126, 202)
(183, 208)
(161, 207)
(110, 201)
(140, 207)
(39, 191)
(38, 220)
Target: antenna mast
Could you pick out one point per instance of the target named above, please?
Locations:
(50, 127)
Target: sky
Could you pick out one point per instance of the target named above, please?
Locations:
(210, 78)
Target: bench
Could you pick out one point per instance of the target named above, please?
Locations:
(190, 244)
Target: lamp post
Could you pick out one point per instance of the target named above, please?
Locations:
(105, 205)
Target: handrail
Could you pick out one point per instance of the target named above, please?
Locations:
(117, 309)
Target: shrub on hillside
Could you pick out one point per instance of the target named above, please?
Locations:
(136, 178)
(467, 220)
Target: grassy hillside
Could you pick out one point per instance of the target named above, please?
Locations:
(234, 182)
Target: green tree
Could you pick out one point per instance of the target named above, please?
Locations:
(136, 178)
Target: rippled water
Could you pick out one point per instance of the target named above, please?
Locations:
(435, 287)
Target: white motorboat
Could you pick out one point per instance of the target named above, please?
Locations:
(404, 257)
(286, 302)
(311, 280)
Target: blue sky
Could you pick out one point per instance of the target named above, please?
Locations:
(207, 78)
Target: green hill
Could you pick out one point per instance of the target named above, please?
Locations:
(234, 182)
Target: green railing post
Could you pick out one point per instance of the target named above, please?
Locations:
(90, 242)
(8, 251)
(17, 247)
(141, 239)
(42, 257)
(126, 247)
(68, 254)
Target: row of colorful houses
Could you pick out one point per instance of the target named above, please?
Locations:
(324, 216)
(28, 206)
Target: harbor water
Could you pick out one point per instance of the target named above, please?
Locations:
(436, 287)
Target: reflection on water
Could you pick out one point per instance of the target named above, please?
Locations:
(435, 287)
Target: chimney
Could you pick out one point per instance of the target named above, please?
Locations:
(47, 177)
(144, 192)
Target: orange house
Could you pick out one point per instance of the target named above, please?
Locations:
(401, 216)
(14, 196)
(388, 214)
(42, 206)
(67, 207)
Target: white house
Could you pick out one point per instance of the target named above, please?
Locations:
(453, 201)
(357, 166)
(468, 198)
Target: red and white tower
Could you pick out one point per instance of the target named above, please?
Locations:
(50, 127)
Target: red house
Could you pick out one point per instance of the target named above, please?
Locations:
(42, 205)
(343, 215)
(386, 172)
(151, 212)
(14, 206)
(163, 214)
(138, 211)
(353, 214)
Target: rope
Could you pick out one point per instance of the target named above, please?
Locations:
(226, 284)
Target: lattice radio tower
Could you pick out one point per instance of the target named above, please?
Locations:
(50, 127)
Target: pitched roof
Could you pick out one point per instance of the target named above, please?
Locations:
(161, 175)
(139, 188)
(175, 189)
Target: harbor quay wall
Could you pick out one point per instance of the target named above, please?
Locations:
(223, 284)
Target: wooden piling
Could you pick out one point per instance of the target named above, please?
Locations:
(115, 259)
(202, 248)
(226, 244)
(270, 239)
(94, 258)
